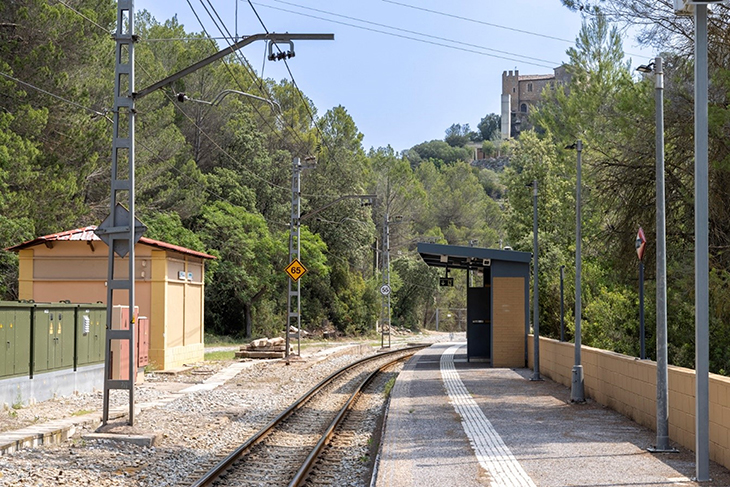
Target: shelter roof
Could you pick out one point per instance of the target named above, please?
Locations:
(460, 257)
(86, 234)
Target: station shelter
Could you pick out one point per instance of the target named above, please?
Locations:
(71, 266)
(497, 300)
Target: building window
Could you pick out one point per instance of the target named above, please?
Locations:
(529, 86)
(523, 108)
(514, 90)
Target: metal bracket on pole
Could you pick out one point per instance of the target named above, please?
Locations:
(273, 37)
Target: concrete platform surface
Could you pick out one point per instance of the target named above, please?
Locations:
(456, 423)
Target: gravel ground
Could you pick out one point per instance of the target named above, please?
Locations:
(193, 427)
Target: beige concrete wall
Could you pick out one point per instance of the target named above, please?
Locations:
(508, 322)
(184, 311)
(628, 385)
(25, 274)
(158, 325)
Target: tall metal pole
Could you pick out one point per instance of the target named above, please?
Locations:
(385, 308)
(702, 316)
(294, 252)
(536, 291)
(577, 393)
(662, 387)
(562, 303)
(120, 228)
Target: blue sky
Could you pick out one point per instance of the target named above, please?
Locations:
(398, 90)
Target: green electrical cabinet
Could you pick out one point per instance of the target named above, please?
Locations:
(90, 334)
(53, 336)
(15, 324)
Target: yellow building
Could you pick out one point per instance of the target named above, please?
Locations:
(169, 288)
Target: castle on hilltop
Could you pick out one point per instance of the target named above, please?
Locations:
(521, 93)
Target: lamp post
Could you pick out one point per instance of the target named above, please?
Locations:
(698, 8)
(577, 393)
(702, 258)
(662, 388)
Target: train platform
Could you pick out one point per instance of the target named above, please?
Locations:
(451, 422)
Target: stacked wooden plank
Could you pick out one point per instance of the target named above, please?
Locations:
(263, 348)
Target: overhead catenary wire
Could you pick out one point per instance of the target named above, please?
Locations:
(400, 29)
(402, 36)
(205, 134)
(84, 16)
(142, 144)
(304, 102)
(249, 69)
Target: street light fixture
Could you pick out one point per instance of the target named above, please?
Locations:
(646, 68)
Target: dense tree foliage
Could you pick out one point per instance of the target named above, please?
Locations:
(489, 127)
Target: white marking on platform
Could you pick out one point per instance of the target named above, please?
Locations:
(493, 455)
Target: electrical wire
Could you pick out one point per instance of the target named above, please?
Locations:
(205, 134)
(304, 102)
(399, 29)
(401, 36)
(84, 17)
(251, 72)
(481, 22)
(227, 154)
(306, 105)
(513, 29)
(66, 100)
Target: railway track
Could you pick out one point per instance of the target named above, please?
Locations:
(284, 452)
(349, 456)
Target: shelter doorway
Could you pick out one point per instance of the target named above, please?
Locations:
(478, 324)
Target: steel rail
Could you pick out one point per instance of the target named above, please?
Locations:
(306, 467)
(259, 436)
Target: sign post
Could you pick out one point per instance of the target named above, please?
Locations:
(640, 247)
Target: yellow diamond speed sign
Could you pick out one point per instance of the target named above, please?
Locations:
(295, 270)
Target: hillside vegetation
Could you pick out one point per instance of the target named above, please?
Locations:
(218, 179)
